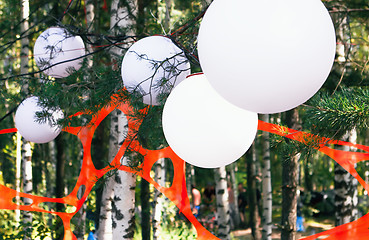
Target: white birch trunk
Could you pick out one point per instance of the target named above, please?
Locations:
(124, 185)
(24, 43)
(267, 185)
(190, 178)
(346, 194)
(124, 205)
(236, 212)
(105, 230)
(90, 14)
(168, 10)
(158, 198)
(27, 183)
(124, 182)
(221, 190)
(26, 148)
(18, 166)
(81, 217)
(346, 198)
(118, 198)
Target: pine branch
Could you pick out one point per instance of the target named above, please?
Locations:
(334, 115)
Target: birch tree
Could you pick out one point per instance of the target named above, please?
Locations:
(345, 188)
(224, 221)
(236, 212)
(345, 185)
(118, 200)
(26, 146)
(158, 198)
(267, 185)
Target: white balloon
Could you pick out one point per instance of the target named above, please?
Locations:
(204, 129)
(266, 56)
(29, 128)
(153, 66)
(56, 45)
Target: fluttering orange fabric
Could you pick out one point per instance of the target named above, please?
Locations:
(177, 193)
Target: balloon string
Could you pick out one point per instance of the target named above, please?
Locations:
(76, 49)
(69, 4)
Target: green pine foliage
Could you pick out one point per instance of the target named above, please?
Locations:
(332, 115)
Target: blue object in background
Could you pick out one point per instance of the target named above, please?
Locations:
(91, 236)
(300, 224)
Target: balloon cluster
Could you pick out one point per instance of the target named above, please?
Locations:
(57, 53)
(273, 56)
(277, 55)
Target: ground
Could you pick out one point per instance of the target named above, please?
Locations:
(312, 226)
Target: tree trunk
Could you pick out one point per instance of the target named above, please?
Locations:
(124, 183)
(18, 166)
(118, 198)
(220, 175)
(90, 15)
(26, 148)
(60, 171)
(235, 210)
(27, 184)
(18, 158)
(24, 43)
(122, 21)
(59, 180)
(81, 215)
(50, 167)
(190, 178)
(345, 188)
(168, 10)
(158, 199)
(105, 230)
(124, 205)
(267, 185)
(145, 210)
(253, 194)
(289, 184)
(100, 157)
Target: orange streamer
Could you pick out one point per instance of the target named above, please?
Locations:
(357, 229)
(177, 193)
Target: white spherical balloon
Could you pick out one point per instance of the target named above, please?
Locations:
(153, 66)
(266, 56)
(204, 129)
(56, 45)
(29, 128)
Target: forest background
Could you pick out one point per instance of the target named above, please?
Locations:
(303, 181)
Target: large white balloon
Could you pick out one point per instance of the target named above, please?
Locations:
(56, 45)
(204, 129)
(266, 56)
(153, 66)
(28, 126)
